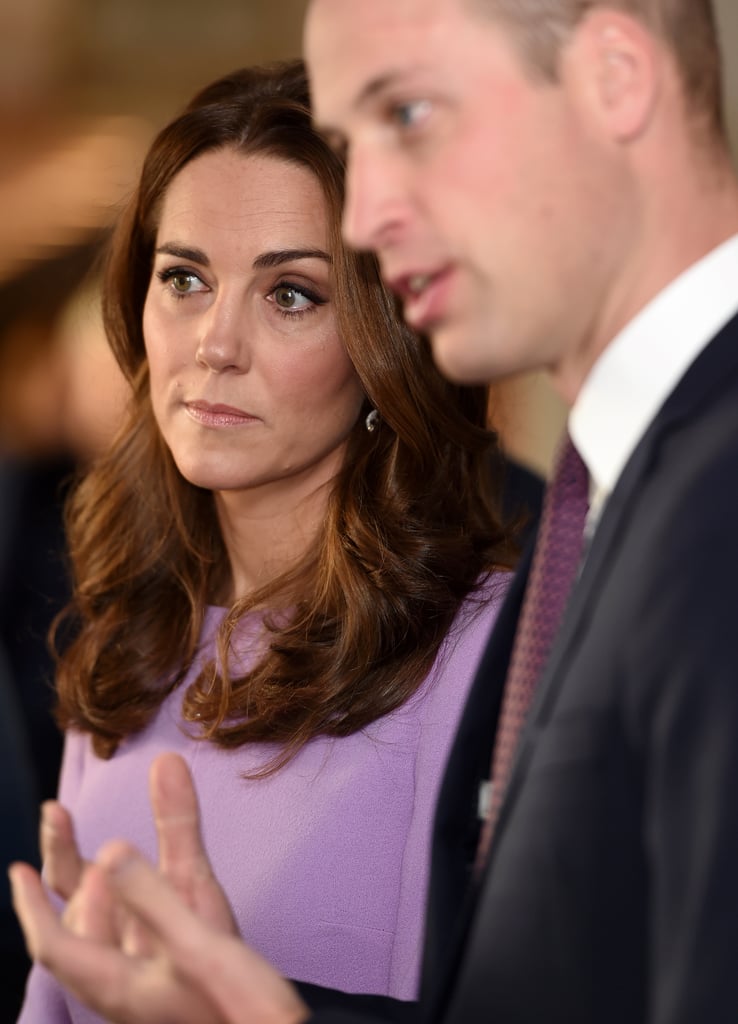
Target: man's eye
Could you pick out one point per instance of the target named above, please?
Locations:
(410, 115)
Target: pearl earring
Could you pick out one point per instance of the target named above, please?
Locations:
(371, 421)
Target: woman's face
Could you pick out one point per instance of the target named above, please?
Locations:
(250, 382)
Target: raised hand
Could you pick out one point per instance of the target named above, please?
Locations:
(137, 945)
(84, 954)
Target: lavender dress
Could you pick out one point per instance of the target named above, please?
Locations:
(326, 862)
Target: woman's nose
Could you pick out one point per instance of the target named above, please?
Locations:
(222, 345)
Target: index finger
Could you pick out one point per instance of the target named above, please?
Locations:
(182, 856)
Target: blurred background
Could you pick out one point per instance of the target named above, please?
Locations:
(84, 84)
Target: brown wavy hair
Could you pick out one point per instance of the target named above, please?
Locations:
(411, 525)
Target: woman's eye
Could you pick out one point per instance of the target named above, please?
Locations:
(293, 299)
(182, 282)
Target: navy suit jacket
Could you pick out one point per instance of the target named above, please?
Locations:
(611, 890)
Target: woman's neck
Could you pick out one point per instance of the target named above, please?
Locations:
(268, 533)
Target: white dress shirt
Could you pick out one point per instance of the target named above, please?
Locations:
(642, 365)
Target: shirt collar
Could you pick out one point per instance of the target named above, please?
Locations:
(642, 365)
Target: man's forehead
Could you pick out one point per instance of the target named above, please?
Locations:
(348, 17)
(348, 46)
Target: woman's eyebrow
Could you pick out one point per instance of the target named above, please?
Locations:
(183, 252)
(279, 256)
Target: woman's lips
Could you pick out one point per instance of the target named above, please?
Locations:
(219, 415)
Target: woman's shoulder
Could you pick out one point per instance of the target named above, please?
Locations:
(481, 605)
(458, 657)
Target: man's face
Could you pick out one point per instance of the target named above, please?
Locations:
(481, 189)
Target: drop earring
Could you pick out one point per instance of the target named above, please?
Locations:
(371, 421)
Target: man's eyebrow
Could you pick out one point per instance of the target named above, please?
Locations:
(183, 252)
(277, 257)
(334, 138)
(389, 80)
(375, 86)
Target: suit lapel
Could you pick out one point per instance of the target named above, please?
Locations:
(707, 374)
(456, 825)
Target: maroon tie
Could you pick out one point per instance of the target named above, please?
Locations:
(555, 563)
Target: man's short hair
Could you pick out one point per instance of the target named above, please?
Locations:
(688, 27)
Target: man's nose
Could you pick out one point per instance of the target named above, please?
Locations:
(375, 206)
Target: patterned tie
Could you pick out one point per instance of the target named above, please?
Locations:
(555, 563)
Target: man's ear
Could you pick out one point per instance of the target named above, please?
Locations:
(618, 63)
